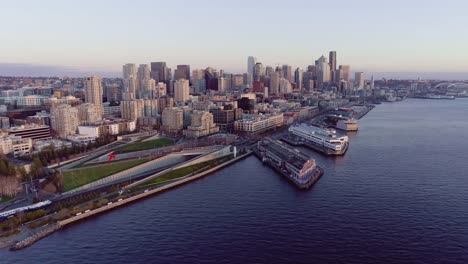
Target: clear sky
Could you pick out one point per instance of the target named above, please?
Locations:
(370, 35)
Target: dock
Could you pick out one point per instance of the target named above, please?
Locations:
(292, 164)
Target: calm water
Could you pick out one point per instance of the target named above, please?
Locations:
(400, 195)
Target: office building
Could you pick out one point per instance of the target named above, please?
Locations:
(323, 71)
(129, 70)
(143, 74)
(64, 120)
(284, 86)
(173, 120)
(15, 145)
(359, 79)
(274, 83)
(181, 91)
(344, 72)
(251, 61)
(159, 71)
(89, 113)
(333, 65)
(107, 127)
(32, 131)
(287, 72)
(258, 72)
(255, 124)
(299, 78)
(182, 72)
(201, 124)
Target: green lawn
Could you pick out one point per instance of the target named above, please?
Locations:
(77, 178)
(185, 171)
(4, 199)
(156, 143)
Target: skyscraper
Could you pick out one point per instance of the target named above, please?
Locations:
(359, 79)
(268, 70)
(285, 86)
(333, 65)
(182, 72)
(287, 72)
(159, 71)
(299, 78)
(323, 71)
(251, 61)
(93, 90)
(274, 83)
(143, 74)
(129, 91)
(345, 72)
(181, 90)
(129, 70)
(258, 72)
(198, 80)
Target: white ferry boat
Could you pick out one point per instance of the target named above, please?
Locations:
(324, 140)
(343, 123)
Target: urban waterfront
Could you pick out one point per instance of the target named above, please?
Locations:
(399, 195)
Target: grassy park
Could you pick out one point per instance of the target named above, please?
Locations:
(77, 178)
(182, 172)
(156, 143)
(4, 199)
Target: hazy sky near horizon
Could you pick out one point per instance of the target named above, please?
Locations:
(101, 35)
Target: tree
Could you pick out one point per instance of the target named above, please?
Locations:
(37, 170)
(58, 181)
(24, 174)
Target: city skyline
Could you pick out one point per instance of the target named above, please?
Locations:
(398, 44)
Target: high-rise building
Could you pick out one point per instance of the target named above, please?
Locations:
(89, 113)
(323, 71)
(280, 71)
(333, 65)
(181, 90)
(308, 79)
(299, 78)
(287, 72)
(237, 80)
(173, 120)
(93, 90)
(129, 70)
(143, 74)
(258, 72)
(159, 71)
(114, 93)
(359, 79)
(268, 70)
(274, 83)
(344, 72)
(222, 84)
(285, 86)
(129, 90)
(64, 120)
(198, 80)
(182, 72)
(251, 61)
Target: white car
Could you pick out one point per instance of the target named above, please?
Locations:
(120, 200)
(146, 190)
(78, 214)
(87, 211)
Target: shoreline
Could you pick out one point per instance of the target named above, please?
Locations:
(30, 240)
